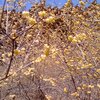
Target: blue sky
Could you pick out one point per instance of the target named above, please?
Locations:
(58, 3)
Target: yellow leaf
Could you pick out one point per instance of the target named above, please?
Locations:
(75, 94)
(31, 21)
(25, 14)
(46, 49)
(42, 13)
(16, 52)
(65, 90)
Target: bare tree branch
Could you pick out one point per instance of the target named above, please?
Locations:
(2, 12)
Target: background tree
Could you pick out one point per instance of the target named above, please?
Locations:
(50, 53)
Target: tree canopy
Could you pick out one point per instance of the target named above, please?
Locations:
(50, 53)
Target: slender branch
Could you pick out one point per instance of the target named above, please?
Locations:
(43, 2)
(11, 59)
(2, 13)
(72, 77)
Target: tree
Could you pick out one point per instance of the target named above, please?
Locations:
(50, 53)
